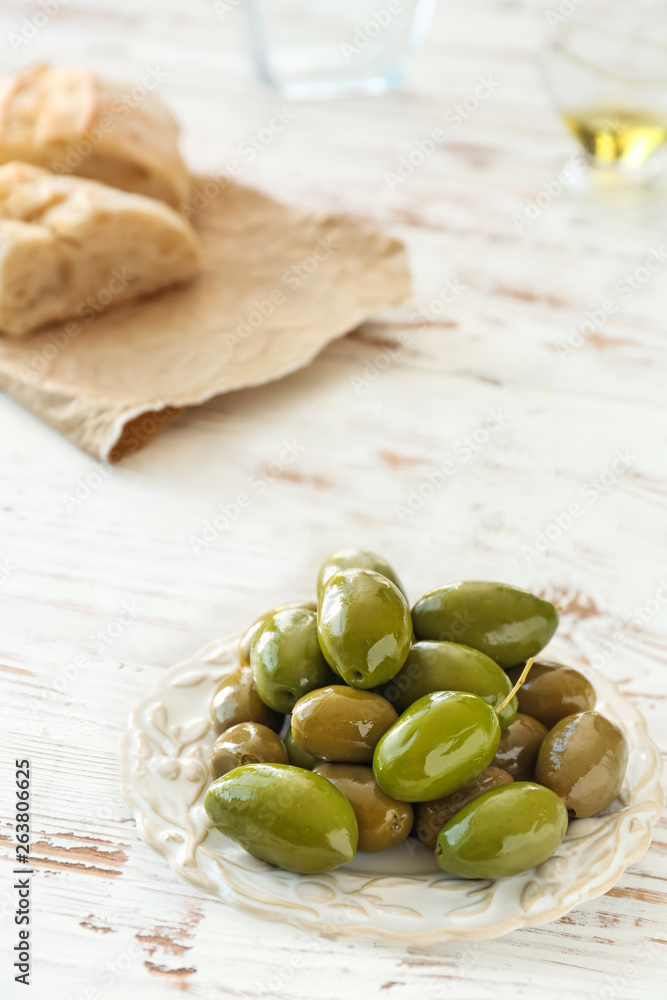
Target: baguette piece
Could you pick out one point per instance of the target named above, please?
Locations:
(69, 246)
(70, 121)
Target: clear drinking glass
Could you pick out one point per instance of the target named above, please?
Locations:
(332, 48)
(609, 84)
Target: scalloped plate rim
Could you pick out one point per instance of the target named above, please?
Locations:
(208, 654)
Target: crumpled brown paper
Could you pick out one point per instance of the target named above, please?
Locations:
(278, 284)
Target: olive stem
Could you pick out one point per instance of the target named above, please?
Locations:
(524, 674)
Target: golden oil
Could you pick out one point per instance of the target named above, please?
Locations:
(623, 136)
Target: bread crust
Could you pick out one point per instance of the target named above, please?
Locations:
(70, 121)
(69, 246)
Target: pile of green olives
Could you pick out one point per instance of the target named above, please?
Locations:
(355, 722)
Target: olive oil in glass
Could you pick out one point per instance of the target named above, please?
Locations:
(606, 70)
(615, 136)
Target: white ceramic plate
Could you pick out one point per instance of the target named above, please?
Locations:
(398, 897)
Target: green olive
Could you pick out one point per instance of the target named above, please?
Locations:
(248, 637)
(552, 691)
(236, 700)
(293, 818)
(298, 756)
(383, 822)
(338, 723)
(519, 746)
(246, 743)
(352, 558)
(448, 666)
(508, 624)
(583, 759)
(438, 745)
(364, 627)
(432, 816)
(503, 832)
(286, 658)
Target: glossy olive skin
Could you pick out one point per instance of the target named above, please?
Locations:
(519, 746)
(293, 818)
(503, 832)
(364, 627)
(286, 658)
(432, 816)
(353, 558)
(246, 743)
(249, 636)
(508, 624)
(297, 755)
(583, 760)
(448, 666)
(552, 691)
(383, 822)
(340, 724)
(236, 700)
(438, 745)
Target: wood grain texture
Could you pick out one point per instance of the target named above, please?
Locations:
(113, 578)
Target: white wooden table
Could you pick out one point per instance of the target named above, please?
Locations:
(371, 420)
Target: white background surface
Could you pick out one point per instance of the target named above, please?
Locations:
(110, 920)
